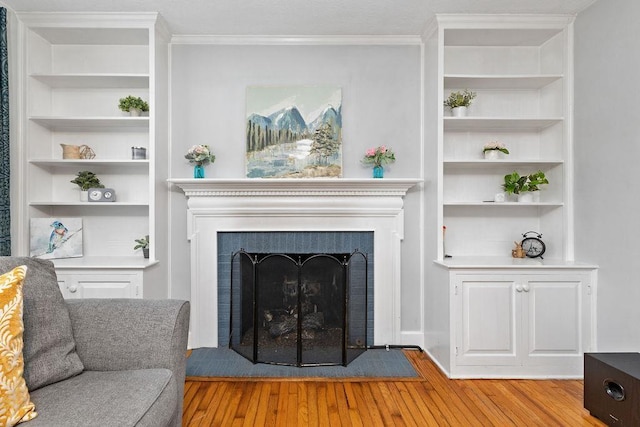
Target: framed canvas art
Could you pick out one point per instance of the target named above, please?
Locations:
(55, 238)
(294, 131)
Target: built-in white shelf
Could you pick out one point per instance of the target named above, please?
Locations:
(514, 82)
(79, 124)
(488, 262)
(492, 37)
(105, 81)
(502, 204)
(501, 162)
(73, 163)
(79, 34)
(88, 204)
(499, 123)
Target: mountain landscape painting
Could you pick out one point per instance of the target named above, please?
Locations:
(294, 132)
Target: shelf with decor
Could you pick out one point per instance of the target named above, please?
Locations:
(498, 124)
(500, 162)
(101, 205)
(75, 163)
(77, 68)
(81, 124)
(492, 204)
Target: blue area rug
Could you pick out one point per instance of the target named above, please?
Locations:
(223, 362)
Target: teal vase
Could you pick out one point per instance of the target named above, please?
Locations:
(378, 172)
(198, 171)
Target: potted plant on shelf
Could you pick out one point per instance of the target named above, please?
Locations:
(524, 186)
(458, 102)
(492, 150)
(133, 105)
(86, 180)
(143, 243)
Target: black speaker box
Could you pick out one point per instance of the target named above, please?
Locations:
(612, 387)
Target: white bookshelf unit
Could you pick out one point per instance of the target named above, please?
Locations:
(520, 67)
(76, 67)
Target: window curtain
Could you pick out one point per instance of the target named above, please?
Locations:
(5, 211)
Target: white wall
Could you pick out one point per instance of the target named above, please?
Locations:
(607, 158)
(381, 105)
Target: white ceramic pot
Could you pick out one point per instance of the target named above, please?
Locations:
(134, 112)
(492, 155)
(459, 112)
(84, 195)
(525, 197)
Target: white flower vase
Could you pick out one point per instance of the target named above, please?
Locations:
(525, 197)
(84, 195)
(492, 155)
(459, 111)
(135, 112)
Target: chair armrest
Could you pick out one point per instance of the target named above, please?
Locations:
(122, 334)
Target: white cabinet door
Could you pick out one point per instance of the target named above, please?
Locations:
(106, 285)
(556, 313)
(488, 321)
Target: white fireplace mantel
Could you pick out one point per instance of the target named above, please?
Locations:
(223, 205)
(293, 187)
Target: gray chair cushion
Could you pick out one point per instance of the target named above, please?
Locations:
(109, 398)
(49, 347)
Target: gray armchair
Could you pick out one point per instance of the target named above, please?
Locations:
(97, 362)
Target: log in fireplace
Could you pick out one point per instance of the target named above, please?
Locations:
(299, 309)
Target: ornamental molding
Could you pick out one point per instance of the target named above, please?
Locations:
(295, 187)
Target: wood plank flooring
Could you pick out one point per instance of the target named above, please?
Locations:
(432, 400)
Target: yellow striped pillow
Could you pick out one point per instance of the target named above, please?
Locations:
(15, 403)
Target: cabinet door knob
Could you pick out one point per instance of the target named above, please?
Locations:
(526, 288)
(72, 289)
(519, 288)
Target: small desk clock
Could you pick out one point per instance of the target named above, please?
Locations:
(102, 195)
(533, 246)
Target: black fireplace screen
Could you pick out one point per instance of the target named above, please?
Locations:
(299, 309)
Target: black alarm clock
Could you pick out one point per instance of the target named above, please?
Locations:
(102, 195)
(533, 246)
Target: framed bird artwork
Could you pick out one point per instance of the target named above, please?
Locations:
(55, 238)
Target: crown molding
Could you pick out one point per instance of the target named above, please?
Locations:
(297, 40)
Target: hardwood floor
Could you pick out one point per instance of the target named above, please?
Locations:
(432, 400)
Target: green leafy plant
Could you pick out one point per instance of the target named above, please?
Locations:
(516, 184)
(86, 180)
(459, 99)
(142, 243)
(126, 104)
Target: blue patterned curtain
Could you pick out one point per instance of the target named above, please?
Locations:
(5, 212)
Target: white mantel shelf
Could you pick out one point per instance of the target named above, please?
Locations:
(291, 186)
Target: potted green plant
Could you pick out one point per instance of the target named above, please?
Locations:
(493, 150)
(143, 243)
(133, 105)
(524, 186)
(86, 180)
(459, 101)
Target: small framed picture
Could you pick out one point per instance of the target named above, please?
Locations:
(55, 238)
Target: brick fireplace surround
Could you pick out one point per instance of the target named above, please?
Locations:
(241, 205)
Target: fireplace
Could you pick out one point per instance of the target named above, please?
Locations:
(299, 309)
(218, 206)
